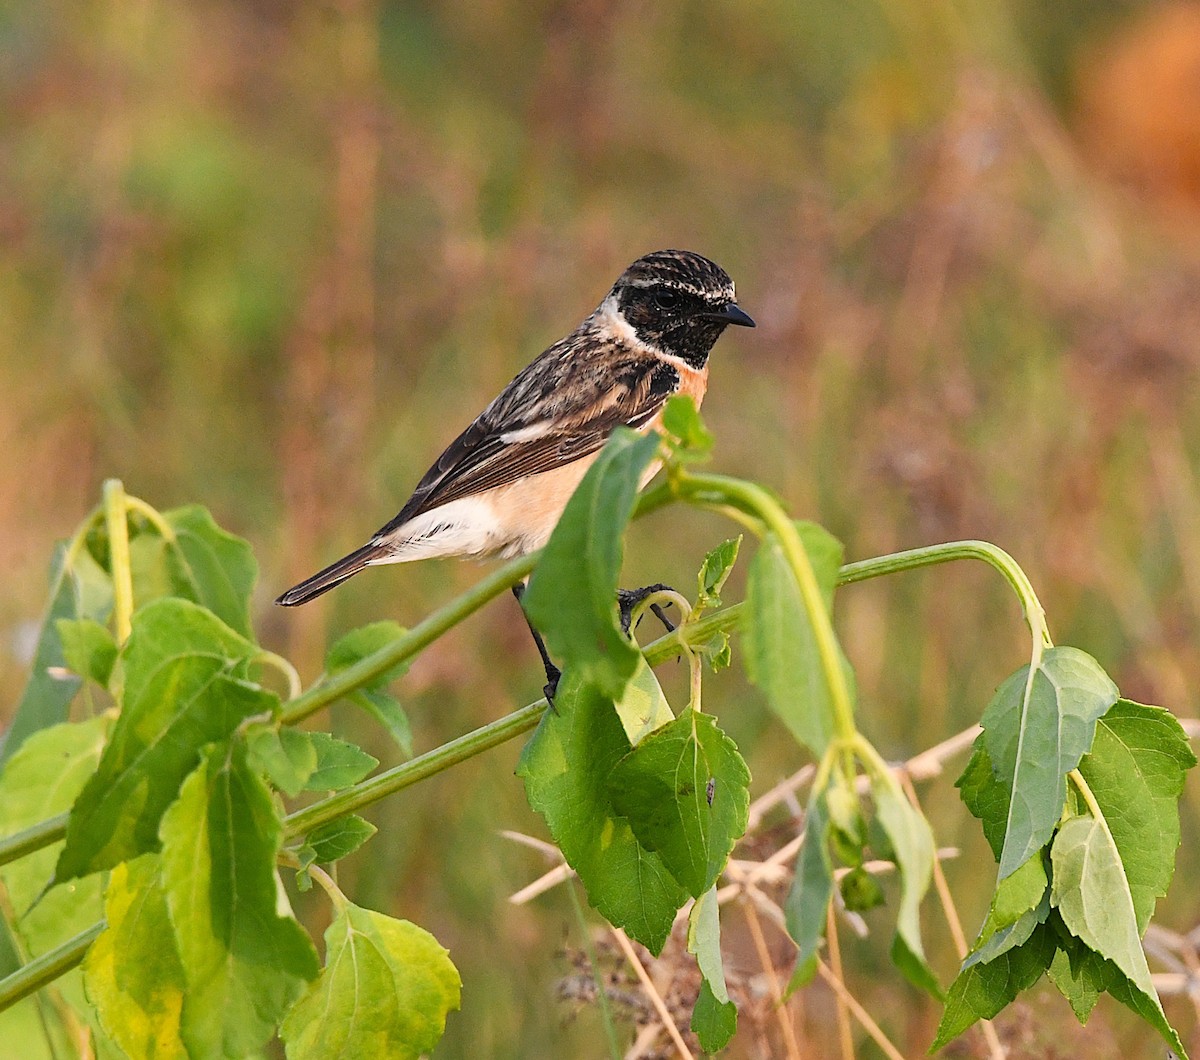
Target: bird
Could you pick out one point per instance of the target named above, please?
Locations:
(499, 488)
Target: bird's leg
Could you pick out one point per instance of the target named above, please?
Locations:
(628, 599)
(553, 673)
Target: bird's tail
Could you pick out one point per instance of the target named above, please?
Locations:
(334, 574)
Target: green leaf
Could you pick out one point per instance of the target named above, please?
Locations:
(986, 796)
(687, 436)
(982, 990)
(642, 707)
(806, 909)
(662, 787)
(180, 694)
(88, 648)
(1036, 729)
(82, 592)
(1017, 901)
(572, 595)
(1092, 895)
(715, 571)
(1136, 769)
(43, 779)
(1082, 975)
(387, 711)
(565, 767)
(212, 567)
(337, 839)
(353, 648)
(385, 991)
(286, 756)
(1079, 974)
(132, 971)
(781, 649)
(243, 962)
(339, 764)
(912, 841)
(1145, 1005)
(714, 1022)
(714, 1018)
(366, 640)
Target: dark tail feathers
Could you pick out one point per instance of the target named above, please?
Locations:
(334, 574)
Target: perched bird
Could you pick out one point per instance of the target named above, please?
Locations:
(501, 485)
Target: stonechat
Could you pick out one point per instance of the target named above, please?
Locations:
(501, 485)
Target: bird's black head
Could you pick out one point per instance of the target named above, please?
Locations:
(677, 302)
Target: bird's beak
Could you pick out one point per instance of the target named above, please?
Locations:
(731, 313)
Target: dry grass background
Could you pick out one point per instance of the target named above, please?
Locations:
(269, 257)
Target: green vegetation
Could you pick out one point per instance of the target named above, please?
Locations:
(177, 796)
(270, 257)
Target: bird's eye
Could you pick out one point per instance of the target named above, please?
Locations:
(666, 299)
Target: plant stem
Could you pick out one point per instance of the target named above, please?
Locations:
(115, 507)
(722, 491)
(424, 633)
(36, 836)
(49, 966)
(991, 554)
(402, 776)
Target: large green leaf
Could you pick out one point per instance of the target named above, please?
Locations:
(778, 639)
(572, 595)
(565, 767)
(685, 792)
(385, 991)
(244, 963)
(1093, 897)
(1136, 770)
(181, 692)
(132, 971)
(1036, 729)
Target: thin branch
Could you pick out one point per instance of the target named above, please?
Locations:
(782, 1011)
(660, 1006)
(843, 995)
(861, 1014)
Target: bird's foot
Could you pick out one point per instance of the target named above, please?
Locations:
(628, 599)
(550, 689)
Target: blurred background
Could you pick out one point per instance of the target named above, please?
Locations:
(271, 257)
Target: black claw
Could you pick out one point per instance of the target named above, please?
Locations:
(628, 599)
(550, 689)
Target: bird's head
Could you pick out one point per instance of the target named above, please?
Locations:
(677, 302)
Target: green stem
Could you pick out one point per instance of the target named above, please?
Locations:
(115, 508)
(991, 554)
(1089, 798)
(723, 491)
(49, 966)
(402, 776)
(151, 515)
(35, 837)
(332, 688)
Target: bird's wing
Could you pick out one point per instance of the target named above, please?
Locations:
(555, 412)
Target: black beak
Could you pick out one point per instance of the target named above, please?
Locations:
(730, 314)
